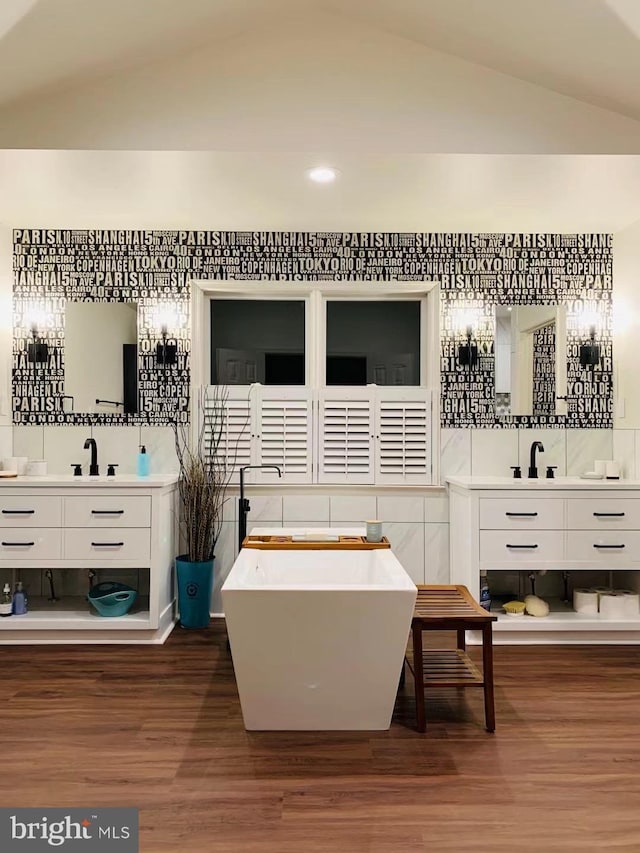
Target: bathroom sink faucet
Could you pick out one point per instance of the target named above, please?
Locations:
(93, 466)
(535, 445)
(243, 503)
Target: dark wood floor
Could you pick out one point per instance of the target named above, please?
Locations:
(160, 728)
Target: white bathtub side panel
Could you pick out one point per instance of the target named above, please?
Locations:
(321, 660)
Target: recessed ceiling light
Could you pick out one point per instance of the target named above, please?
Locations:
(322, 174)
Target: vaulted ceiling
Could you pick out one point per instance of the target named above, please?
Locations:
(586, 49)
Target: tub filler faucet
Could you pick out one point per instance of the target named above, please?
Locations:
(243, 503)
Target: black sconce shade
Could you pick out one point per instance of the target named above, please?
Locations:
(589, 355)
(590, 352)
(37, 352)
(468, 355)
(166, 354)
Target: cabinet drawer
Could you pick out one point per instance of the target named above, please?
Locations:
(603, 514)
(511, 547)
(108, 511)
(609, 547)
(107, 543)
(521, 514)
(30, 543)
(27, 511)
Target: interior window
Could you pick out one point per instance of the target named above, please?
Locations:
(373, 342)
(257, 340)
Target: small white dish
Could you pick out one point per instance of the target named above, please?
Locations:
(592, 475)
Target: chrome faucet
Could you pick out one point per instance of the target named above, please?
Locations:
(93, 466)
(535, 445)
(243, 503)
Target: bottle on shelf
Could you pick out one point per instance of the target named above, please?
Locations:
(19, 600)
(6, 602)
(485, 592)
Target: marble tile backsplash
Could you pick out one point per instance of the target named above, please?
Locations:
(455, 452)
(64, 446)
(584, 446)
(624, 451)
(493, 450)
(481, 452)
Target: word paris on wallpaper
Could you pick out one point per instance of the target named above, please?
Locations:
(476, 272)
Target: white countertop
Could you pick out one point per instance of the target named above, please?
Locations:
(68, 481)
(555, 483)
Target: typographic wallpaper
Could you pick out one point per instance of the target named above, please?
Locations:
(154, 268)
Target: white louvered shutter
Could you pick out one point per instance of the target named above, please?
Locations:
(403, 435)
(345, 435)
(284, 434)
(228, 431)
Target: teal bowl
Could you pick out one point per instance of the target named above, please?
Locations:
(112, 599)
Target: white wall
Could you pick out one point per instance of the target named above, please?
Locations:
(626, 326)
(316, 83)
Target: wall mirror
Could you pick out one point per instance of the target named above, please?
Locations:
(530, 360)
(101, 357)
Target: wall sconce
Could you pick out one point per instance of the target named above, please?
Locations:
(590, 351)
(166, 317)
(465, 322)
(468, 352)
(37, 349)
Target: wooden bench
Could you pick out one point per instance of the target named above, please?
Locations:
(450, 607)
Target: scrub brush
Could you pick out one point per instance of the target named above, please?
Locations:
(514, 608)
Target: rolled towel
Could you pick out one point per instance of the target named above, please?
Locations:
(536, 606)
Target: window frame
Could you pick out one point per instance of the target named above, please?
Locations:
(315, 294)
(423, 299)
(257, 297)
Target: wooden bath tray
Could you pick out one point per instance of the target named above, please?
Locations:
(344, 543)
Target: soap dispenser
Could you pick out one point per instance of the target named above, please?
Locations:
(143, 462)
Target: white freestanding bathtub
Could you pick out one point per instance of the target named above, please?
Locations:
(317, 637)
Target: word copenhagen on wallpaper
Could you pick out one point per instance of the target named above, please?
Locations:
(476, 272)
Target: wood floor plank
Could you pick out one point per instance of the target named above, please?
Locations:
(161, 728)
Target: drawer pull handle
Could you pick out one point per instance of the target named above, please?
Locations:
(18, 544)
(609, 514)
(521, 546)
(610, 547)
(107, 544)
(18, 511)
(521, 514)
(107, 512)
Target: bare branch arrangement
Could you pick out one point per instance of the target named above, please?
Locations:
(207, 463)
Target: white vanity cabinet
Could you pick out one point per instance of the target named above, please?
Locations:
(86, 530)
(564, 525)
